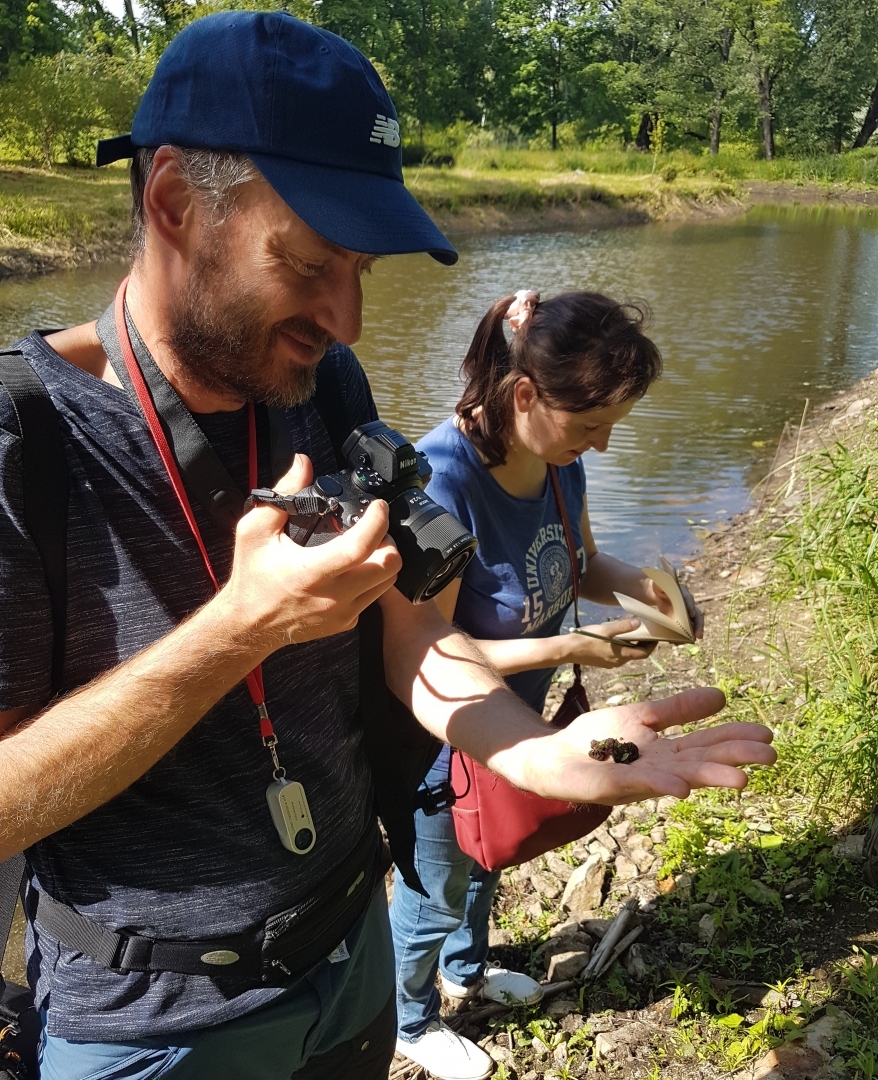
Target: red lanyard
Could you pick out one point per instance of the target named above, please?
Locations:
(254, 679)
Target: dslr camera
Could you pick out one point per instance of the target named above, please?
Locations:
(383, 464)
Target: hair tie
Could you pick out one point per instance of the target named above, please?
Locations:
(521, 309)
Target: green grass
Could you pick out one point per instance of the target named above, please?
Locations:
(857, 167)
(528, 185)
(70, 211)
(823, 581)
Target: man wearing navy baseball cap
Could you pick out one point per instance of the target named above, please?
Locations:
(185, 757)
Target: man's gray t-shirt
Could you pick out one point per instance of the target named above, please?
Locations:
(189, 850)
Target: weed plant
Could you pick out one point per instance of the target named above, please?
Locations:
(826, 563)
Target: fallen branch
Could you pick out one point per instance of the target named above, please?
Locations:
(615, 931)
(629, 939)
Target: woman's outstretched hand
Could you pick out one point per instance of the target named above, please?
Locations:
(558, 766)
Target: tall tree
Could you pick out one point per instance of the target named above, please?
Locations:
(870, 121)
(30, 28)
(822, 97)
(769, 29)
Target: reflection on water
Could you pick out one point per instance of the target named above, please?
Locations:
(753, 315)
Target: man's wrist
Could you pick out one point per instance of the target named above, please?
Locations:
(516, 763)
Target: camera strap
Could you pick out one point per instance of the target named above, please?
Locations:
(159, 402)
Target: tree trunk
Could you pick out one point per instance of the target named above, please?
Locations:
(716, 122)
(764, 83)
(644, 132)
(132, 24)
(554, 133)
(724, 46)
(870, 124)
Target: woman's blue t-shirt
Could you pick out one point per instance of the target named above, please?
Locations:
(519, 584)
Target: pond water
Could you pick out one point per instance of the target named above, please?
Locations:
(754, 316)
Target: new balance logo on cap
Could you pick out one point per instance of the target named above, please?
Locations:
(385, 131)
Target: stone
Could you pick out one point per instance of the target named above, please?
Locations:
(636, 962)
(809, 1057)
(497, 938)
(620, 830)
(501, 1054)
(566, 965)
(601, 835)
(534, 909)
(667, 885)
(761, 893)
(559, 1055)
(565, 929)
(797, 887)
(684, 884)
(626, 870)
(600, 1023)
(596, 848)
(572, 1021)
(547, 885)
(637, 813)
(851, 847)
(706, 929)
(596, 927)
(617, 1043)
(643, 859)
(559, 1008)
(658, 834)
(557, 866)
(583, 891)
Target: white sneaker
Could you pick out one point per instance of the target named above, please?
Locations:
(447, 1055)
(498, 984)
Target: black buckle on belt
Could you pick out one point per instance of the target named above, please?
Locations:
(433, 800)
(133, 953)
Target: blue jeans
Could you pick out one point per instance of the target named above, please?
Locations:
(448, 931)
(302, 1034)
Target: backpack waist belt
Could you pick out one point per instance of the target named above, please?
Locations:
(287, 944)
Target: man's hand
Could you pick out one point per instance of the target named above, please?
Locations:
(557, 766)
(292, 594)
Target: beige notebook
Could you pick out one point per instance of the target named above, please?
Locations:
(654, 625)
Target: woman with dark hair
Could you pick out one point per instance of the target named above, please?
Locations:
(571, 368)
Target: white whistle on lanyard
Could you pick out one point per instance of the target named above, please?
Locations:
(291, 815)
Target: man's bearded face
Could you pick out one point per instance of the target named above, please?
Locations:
(222, 337)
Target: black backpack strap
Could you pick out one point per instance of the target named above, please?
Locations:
(400, 750)
(11, 874)
(46, 488)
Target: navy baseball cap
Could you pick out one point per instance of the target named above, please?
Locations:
(307, 108)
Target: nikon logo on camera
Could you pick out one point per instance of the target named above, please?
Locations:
(407, 463)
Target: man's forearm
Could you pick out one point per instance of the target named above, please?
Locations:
(89, 747)
(451, 687)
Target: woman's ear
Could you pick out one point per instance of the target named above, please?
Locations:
(524, 394)
(168, 204)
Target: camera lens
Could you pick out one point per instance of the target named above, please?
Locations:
(434, 546)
